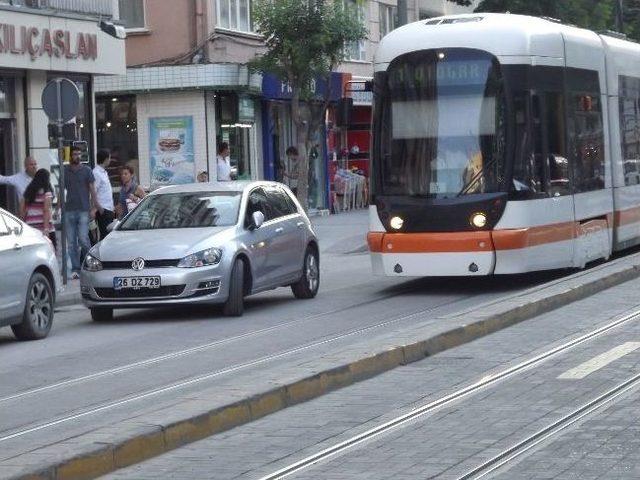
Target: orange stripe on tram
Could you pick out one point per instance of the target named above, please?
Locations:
(436, 242)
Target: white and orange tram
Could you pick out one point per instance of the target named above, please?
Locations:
(502, 144)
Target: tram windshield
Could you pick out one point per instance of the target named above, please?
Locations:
(439, 125)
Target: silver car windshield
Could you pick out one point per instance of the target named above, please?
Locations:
(184, 210)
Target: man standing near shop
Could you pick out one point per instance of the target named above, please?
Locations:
(81, 202)
(223, 163)
(104, 193)
(21, 180)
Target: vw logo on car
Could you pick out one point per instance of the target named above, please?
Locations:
(137, 264)
(198, 245)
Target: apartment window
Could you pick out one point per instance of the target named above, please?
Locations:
(356, 50)
(132, 13)
(234, 15)
(388, 19)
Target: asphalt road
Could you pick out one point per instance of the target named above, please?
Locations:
(84, 375)
(554, 397)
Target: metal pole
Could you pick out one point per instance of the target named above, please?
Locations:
(61, 197)
(402, 13)
(620, 16)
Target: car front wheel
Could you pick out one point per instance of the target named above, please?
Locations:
(234, 306)
(307, 286)
(37, 317)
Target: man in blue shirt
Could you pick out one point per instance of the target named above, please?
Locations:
(81, 202)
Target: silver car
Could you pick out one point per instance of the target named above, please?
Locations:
(29, 280)
(204, 243)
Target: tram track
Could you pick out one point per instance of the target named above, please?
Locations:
(188, 382)
(472, 389)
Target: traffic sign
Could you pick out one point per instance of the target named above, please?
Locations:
(60, 100)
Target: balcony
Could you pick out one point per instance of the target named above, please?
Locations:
(98, 8)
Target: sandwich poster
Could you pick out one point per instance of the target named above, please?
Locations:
(171, 151)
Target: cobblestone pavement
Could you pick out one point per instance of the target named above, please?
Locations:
(460, 436)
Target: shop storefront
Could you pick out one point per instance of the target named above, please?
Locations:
(279, 134)
(167, 121)
(35, 47)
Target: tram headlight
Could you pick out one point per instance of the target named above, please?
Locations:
(478, 220)
(396, 223)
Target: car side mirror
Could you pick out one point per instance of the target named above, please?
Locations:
(113, 225)
(257, 219)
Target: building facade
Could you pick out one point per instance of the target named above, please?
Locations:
(39, 41)
(187, 83)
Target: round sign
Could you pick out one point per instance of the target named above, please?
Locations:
(60, 100)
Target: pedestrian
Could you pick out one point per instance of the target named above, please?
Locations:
(130, 192)
(81, 203)
(203, 177)
(104, 192)
(292, 169)
(21, 180)
(223, 163)
(35, 205)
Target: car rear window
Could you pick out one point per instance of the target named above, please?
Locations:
(184, 210)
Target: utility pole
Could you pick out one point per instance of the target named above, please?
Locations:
(619, 16)
(402, 13)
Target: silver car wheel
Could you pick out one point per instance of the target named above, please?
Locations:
(311, 272)
(39, 306)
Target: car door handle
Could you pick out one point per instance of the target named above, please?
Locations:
(300, 224)
(17, 246)
(279, 230)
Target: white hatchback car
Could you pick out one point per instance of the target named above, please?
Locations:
(29, 281)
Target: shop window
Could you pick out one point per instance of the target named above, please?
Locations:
(356, 50)
(117, 131)
(7, 101)
(132, 14)
(388, 19)
(238, 132)
(234, 15)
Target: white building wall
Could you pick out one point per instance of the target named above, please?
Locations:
(172, 104)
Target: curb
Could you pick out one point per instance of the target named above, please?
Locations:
(143, 441)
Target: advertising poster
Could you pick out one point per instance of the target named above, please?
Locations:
(171, 151)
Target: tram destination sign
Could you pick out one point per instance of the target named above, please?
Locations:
(36, 42)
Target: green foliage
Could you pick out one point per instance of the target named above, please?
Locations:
(304, 38)
(592, 14)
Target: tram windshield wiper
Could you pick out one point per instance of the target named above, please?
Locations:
(477, 177)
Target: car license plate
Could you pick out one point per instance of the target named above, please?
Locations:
(121, 283)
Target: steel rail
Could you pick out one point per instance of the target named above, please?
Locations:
(200, 348)
(430, 407)
(80, 413)
(556, 427)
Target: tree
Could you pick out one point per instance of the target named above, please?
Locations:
(592, 14)
(305, 41)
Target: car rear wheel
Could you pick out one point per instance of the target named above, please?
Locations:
(102, 314)
(307, 286)
(37, 317)
(234, 306)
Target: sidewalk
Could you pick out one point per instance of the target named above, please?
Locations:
(342, 233)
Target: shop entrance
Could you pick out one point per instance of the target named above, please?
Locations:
(8, 199)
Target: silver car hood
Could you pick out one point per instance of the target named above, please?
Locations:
(165, 244)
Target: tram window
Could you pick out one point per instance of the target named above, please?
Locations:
(559, 177)
(587, 138)
(630, 136)
(528, 177)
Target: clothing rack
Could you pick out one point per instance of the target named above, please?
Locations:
(351, 191)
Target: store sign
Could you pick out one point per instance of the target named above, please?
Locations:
(274, 88)
(36, 42)
(246, 112)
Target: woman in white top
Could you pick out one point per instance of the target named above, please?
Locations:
(224, 165)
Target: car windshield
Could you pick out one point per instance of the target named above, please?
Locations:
(184, 210)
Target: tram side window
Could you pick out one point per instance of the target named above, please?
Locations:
(629, 103)
(587, 138)
(528, 177)
(559, 178)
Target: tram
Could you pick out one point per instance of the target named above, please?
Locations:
(502, 144)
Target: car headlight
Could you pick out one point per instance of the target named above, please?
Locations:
(91, 264)
(210, 256)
